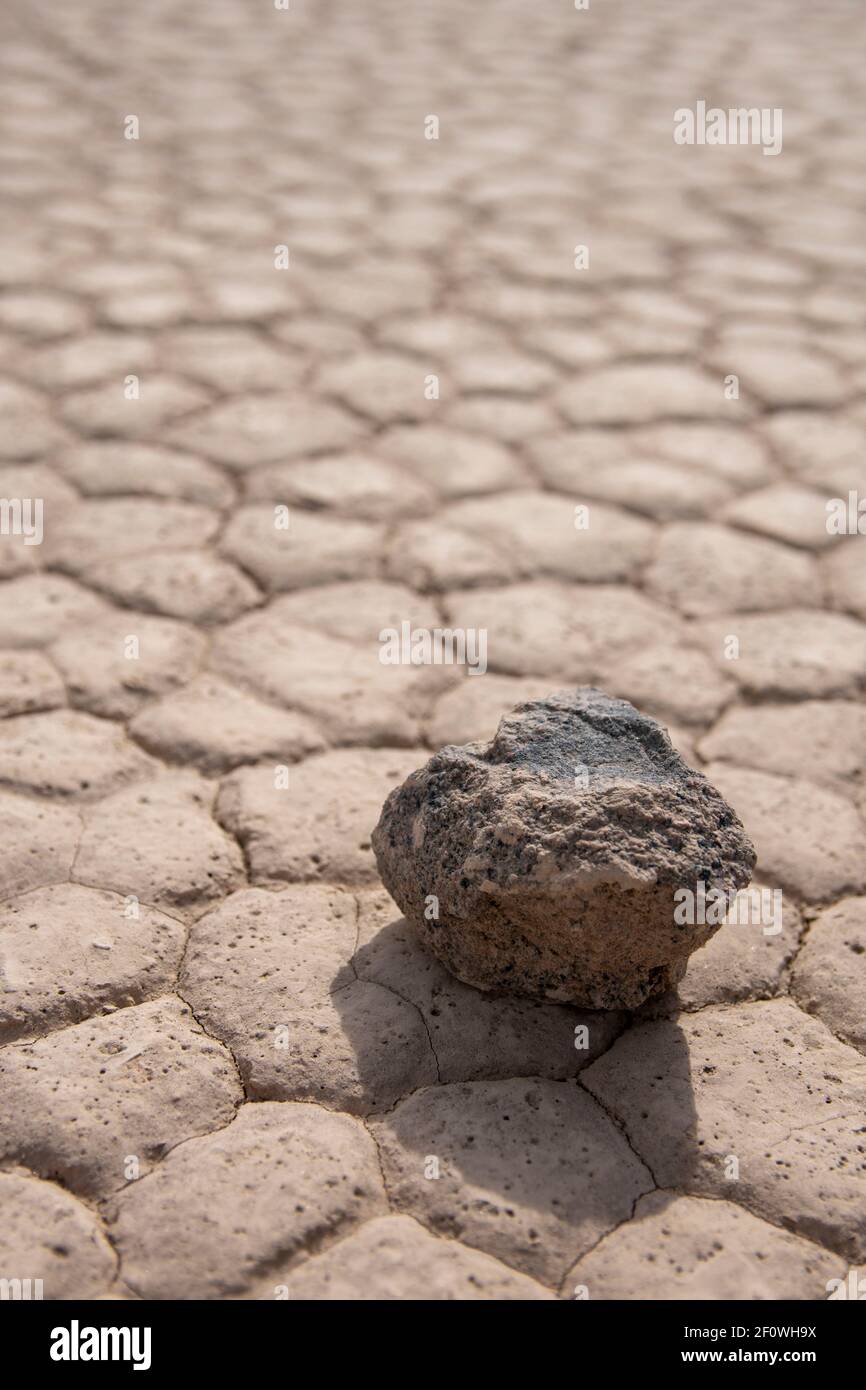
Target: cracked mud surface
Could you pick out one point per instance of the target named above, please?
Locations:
(226, 1065)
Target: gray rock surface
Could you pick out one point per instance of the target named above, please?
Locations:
(546, 862)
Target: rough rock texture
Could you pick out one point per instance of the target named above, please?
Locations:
(555, 851)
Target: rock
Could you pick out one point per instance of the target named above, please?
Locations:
(554, 853)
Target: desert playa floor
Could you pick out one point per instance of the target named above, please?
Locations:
(315, 322)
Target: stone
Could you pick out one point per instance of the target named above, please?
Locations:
(78, 1104)
(690, 1248)
(555, 851)
(394, 1259)
(68, 952)
(829, 974)
(49, 1235)
(309, 1177)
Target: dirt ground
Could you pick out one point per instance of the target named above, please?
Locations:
(319, 321)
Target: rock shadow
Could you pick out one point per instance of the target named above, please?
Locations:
(536, 1139)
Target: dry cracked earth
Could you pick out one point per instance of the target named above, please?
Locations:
(227, 1069)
